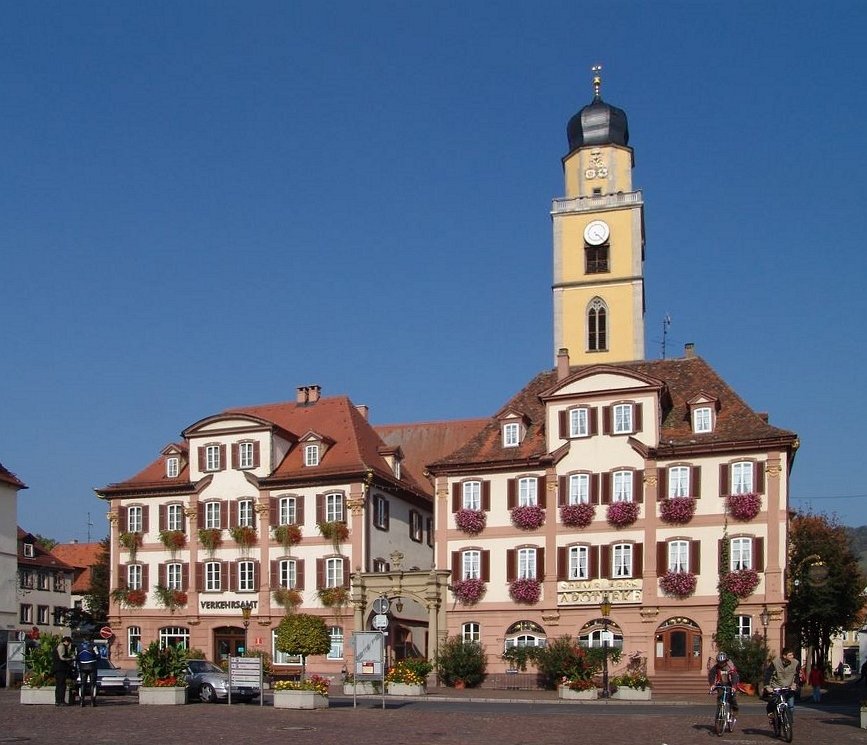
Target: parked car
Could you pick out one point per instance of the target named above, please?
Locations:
(112, 680)
(847, 670)
(209, 683)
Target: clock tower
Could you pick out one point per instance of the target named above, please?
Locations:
(599, 241)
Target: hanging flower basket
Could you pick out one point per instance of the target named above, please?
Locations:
(131, 542)
(677, 510)
(287, 598)
(529, 517)
(471, 522)
(622, 514)
(336, 532)
(525, 591)
(211, 539)
(333, 597)
(170, 599)
(173, 540)
(678, 584)
(577, 515)
(744, 506)
(468, 591)
(287, 535)
(741, 582)
(129, 598)
(245, 536)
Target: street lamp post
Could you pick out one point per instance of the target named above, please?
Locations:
(245, 613)
(605, 608)
(765, 618)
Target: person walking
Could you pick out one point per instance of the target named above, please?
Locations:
(838, 671)
(816, 681)
(63, 657)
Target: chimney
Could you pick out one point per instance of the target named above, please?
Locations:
(313, 393)
(362, 409)
(689, 350)
(562, 364)
(301, 394)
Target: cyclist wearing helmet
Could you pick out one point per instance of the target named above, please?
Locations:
(724, 672)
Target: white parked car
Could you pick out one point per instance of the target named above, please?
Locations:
(847, 670)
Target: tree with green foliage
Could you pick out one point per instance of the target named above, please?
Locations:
(303, 634)
(726, 623)
(826, 593)
(47, 543)
(457, 659)
(96, 597)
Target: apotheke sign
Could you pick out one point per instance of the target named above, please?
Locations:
(227, 606)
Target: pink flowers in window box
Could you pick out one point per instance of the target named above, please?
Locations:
(468, 591)
(744, 506)
(678, 584)
(525, 591)
(622, 514)
(577, 515)
(528, 517)
(677, 510)
(471, 522)
(741, 582)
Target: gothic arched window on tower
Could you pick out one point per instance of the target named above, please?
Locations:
(596, 259)
(597, 326)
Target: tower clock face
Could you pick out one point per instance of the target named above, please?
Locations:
(597, 232)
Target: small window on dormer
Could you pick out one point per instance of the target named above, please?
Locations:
(29, 552)
(702, 419)
(397, 468)
(311, 455)
(511, 435)
(173, 467)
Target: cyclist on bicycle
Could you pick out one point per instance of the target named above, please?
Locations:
(86, 658)
(724, 672)
(782, 673)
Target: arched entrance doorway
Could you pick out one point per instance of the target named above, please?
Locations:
(678, 646)
(228, 642)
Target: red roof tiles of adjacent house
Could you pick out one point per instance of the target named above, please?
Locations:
(41, 557)
(680, 380)
(82, 556)
(7, 477)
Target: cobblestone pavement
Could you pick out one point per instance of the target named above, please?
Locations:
(444, 717)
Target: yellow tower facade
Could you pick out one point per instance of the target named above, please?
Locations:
(598, 228)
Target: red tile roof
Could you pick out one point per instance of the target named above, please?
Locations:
(41, 557)
(82, 556)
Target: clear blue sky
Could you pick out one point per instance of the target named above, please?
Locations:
(207, 204)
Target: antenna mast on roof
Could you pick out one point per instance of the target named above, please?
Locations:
(666, 322)
(89, 526)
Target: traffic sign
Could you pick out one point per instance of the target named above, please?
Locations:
(106, 633)
(380, 605)
(380, 621)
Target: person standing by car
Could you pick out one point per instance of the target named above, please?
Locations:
(62, 667)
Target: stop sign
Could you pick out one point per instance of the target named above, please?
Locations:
(106, 633)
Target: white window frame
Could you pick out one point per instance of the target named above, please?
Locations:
(246, 455)
(527, 563)
(702, 419)
(175, 575)
(281, 658)
(416, 526)
(287, 573)
(174, 516)
(621, 560)
(134, 576)
(471, 631)
(213, 576)
(134, 518)
(528, 491)
(334, 507)
(678, 555)
(173, 467)
(579, 488)
(471, 564)
(742, 477)
(380, 512)
(212, 458)
(29, 551)
(472, 495)
(133, 640)
(334, 571)
(678, 481)
(525, 640)
(336, 635)
(621, 486)
(622, 419)
(42, 614)
(579, 422)
(511, 434)
(212, 514)
(740, 554)
(245, 513)
(246, 572)
(175, 636)
(26, 613)
(311, 454)
(579, 562)
(745, 626)
(287, 511)
(594, 639)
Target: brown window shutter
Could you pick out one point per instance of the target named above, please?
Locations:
(593, 417)
(202, 461)
(222, 457)
(511, 564)
(200, 576)
(563, 418)
(562, 563)
(273, 514)
(637, 417)
(200, 514)
(695, 481)
(695, 557)
(511, 493)
(593, 568)
(161, 575)
(759, 554)
(542, 491)
(346, 571)
(299, 510)
(562, 490)
(233, 513)
(227, 576)
(320, 574)
(124, 519)
(724, 479)
(457, 566)
(161, 517)
(605, 562)
(540, 564)
(457, 496)
(185, 576)
(256, 575)
(486, 566)
(224, 514)
(256, 450)
(486, 496)
(605, 479)
(595, 490)
(299, 574)
(236, 459)
(638, 486)
(254, 515)
(638, 560)
(661, 557)
(320, 508)
(662, 484)
(606, 420)
(759, 477)
(144, 577)
(183, 520)
(275, 574)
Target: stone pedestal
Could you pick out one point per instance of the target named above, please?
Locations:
(405, 689)
(567, 694)
(300, 700)
(42, 695)
(624, 693)
(160, 696)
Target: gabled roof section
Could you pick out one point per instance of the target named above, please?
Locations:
(41, 558)
(82, 557)
(234, 414)
(586, 372)
(7, 477)
(703, 398)
(175, 448)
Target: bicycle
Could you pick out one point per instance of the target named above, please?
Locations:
(724, 719)
(783, 723)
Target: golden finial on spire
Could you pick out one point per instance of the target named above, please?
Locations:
(597, 81)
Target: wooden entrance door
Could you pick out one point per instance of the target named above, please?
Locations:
(228, 641)
(678, 649)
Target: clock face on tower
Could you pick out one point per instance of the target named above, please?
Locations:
(596, 233)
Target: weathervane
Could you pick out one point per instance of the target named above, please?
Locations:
(597, 82)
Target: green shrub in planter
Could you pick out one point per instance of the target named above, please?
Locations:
(461, 660)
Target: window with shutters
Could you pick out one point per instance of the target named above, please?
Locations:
(212, 458)
(528, 491)
(526, 563)
(173, 467)
(742, 477)
(287, 573)
(212, 515)
(740, 554)
(134, 576)
(678, 481)
(579, 562)
(380, 512)
(702, 419)
(213, 578)
(134, 519)
(472, 495)
(621, 557)
(174, 576)
(678, 556)
(334, 508)
(511, 435)
(246, 457)
(579, 488)
(334, 572)
(579, 422)
(471, 632)
(174, 517)
(311, 455)
(597, 326)
(622, 420)
(245, 513)
(287, 511)
(622, 482)
(471, 564)
(246, 576)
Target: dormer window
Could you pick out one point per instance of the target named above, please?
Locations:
(173, 467)
(245, 454)
(702, 419)
(511, 435)
(29, 551)
(396, 467)
(311, 454)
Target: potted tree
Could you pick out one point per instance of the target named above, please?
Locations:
(163, 673)
(305, 635)
(632, 684)
(38, 687)
(460, 663)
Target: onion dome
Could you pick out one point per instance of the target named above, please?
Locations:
(598, 123)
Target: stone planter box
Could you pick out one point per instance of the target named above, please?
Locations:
(363, 688)
(567, 694)
(299, 700)
(624, 693)
(160, 696)
(42, 695)
(405, 689)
